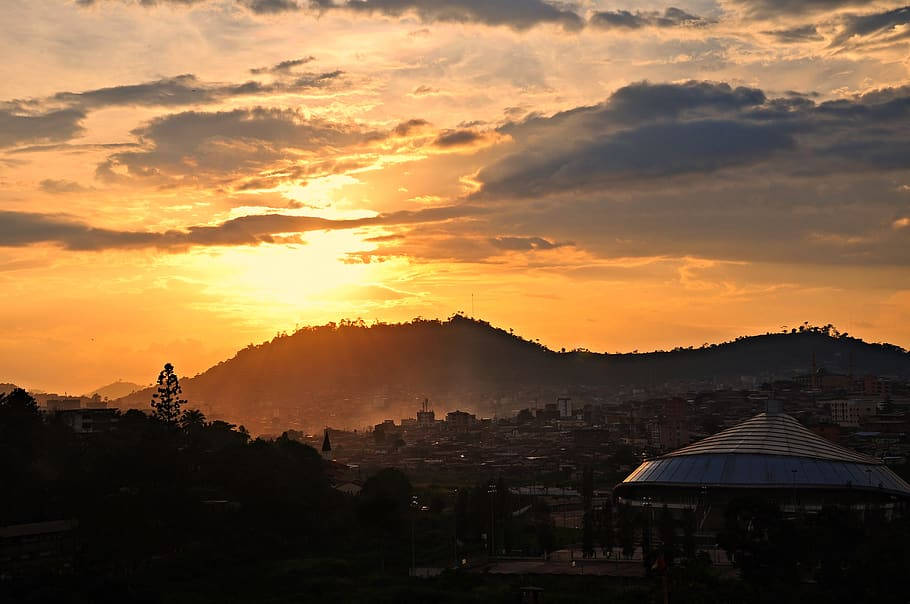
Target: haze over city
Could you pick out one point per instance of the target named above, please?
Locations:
(179, 179)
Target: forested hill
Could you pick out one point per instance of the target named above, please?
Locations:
(348, 366)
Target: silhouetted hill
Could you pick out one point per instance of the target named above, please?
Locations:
(116, 390)
(351, 373)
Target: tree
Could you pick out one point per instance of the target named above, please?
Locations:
(587, 535)
(606, 532)
(689, 524)
(19, 419)
(192, 419)
(166, 401)
(587, 493)
(666, 528)
(543, 525)
(192, 422)
(18, 400)
(626, 531)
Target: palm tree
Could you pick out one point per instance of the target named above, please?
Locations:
(192, 420)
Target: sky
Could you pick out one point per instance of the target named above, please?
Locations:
(181, 178)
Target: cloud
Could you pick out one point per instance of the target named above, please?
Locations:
(18, 128)
(271, 6)
(863, 26)
(186, 90)
(424, 90)
(517, 14)
(195, 145)
(58, 187)
(284, 66)
(782, 8)
(18, 229)
(796, 35)
(646, 152)
(624, 19)
(524, 244)
(410, 127)
(265, 7)
(645, 132)
(457, 138)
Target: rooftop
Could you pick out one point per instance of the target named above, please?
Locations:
(773, 434)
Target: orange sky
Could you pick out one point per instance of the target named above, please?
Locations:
(179, 179)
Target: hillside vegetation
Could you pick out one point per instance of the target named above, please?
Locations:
(347, 372)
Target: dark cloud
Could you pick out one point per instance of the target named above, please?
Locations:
(284, 66)
(645, 152)
(861, 26)
(256, 6)
(18, 229)
(524, 244)
(645, 133)
(185, 90)
(265, 7)
(457, 138)
(779, 8)
(624, 19)
(18, 128)
(641, 102)
(424, 91)
(71, 148)
(796, 35)
(517, 14)
(409, 127)
(57, 187)
(194, 145)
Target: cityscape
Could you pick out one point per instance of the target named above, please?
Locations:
(454, 301)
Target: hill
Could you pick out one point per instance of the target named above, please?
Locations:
(351, 374)
(116, 390)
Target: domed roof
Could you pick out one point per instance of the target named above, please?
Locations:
(773, 434)
(771, 450)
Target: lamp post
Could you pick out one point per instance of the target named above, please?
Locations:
(455, 525)
(794, 491)
(491, 489)
(414, 508)
(646, 536)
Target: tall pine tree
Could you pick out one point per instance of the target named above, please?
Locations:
(166, 401)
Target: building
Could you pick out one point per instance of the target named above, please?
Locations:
(426, 417)
(63, 403)
(771, 455)
(36, 548)
(850, 413)
(89, 421)
(460, 420)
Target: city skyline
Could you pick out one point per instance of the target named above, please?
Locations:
(179, 179)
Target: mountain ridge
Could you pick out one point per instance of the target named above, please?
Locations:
(351, 373)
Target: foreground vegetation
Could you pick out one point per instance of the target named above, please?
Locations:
(177, 509)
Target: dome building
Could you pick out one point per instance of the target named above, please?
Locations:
(772, 456)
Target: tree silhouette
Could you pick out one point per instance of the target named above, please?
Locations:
(166, 401)
(192, 419)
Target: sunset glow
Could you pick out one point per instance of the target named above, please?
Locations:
(187, 177)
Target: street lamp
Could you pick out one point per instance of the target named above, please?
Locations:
(646, 537)
(491, 490)
(455, 524)
(414, 507)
